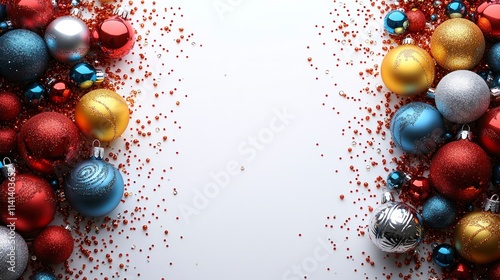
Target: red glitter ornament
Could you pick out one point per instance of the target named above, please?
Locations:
(489, 131)
(419, 189)
(59, 92)
(461, 171)
(114, 36)
(417, 20)
(10, 106)
(53, 245)
(49, 141)
(34, 202)
(488, 14)
(8, 140)
(30, 14)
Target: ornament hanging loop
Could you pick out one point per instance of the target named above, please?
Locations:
(492, 204)
(7, 168)
(97, 151)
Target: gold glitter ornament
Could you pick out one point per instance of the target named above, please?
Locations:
(102, 114)
(477, 235)
(457, 44)
(408, 69)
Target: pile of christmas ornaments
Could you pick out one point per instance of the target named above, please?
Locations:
(54, 108)
(447, 69)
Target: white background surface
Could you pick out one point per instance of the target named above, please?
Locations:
(270, 221)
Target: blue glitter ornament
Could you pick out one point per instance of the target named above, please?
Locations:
(444, 255)
(85, 75)
(416, 128)
(23, 56)
(43, 275)
(34, 93)
(94, 187)
(456, 9)
(493, 58)
(396, 180)
(396, 22)
(439, 212)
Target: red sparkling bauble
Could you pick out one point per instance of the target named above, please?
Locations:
(53, 245)
(49, 141)
(8, 141)
(30, 14)
(417, 20)
(489, 131)
(488, 14)
(59, 92)
(114, 37)
(461, 171)
(10, 106)
(34, 202)
(420, 189)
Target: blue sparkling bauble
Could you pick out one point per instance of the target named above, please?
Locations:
(396, 22)
(94, 187)
(439, 212)
(444, 255)
(34, 93)
(23, 56)
(456, 9)
(416, 128)
(495, 177)
(3, 12)
(43, 275)
(493, 58)
(83, 75)
(396, 180)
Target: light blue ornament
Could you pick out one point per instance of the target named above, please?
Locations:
(439, 212)
(43, 275)
(396, 22)
(94, 187)
(417, 128)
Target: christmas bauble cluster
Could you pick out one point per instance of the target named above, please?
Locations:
(54, 107)
(447, 69)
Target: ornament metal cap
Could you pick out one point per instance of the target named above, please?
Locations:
(97, 152)
(121, 12)
(100, 75)
(387, 197)
(76, 12)
(492, 204)
(465, 133)
(408, 41)
(7, 168)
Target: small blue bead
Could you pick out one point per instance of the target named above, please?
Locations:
(34, 93)
(456, 9)
(83, 75)
(396, 22)
(433, 17)
(396, 180)
(444, 255)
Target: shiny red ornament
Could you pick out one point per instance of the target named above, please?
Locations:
(419, 189)
(59, 92)
(488, 17)
(49, 141)
(8, 140)
(30, 14)
(416, 19)
(34, 202)
(10, 106)
(489, 131)
(53, 245)
(114, 37)
(461, 171)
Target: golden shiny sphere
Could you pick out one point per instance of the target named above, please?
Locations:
(407, 70)
(102, 114)
(477, 237)
(457, 44)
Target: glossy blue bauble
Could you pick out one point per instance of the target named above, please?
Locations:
(445, 255)
(43, 275)
(94, 188)
(395, 180)
(23, 56)
(439, 212)
(417, 128)
(456, 9)
(396, 22)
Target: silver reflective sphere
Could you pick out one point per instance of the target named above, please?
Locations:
(462, 96)
(396, 227)
(68, 39)
(13, 254)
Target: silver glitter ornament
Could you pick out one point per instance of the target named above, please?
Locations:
(13, 254)
(462, 96)
(395, 227)
(68, 39)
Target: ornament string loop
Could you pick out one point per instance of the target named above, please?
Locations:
(6, 161)
(97, 151)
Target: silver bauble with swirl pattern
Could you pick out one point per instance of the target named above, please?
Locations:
(13, 254)
(396, 227)
(94, 187)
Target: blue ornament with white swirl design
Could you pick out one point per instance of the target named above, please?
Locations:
(395, 227)
(417, 128)
(94, 187)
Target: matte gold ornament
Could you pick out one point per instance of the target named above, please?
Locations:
(408, 69)
(457, 44)
(477, 236)
(102, 114)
